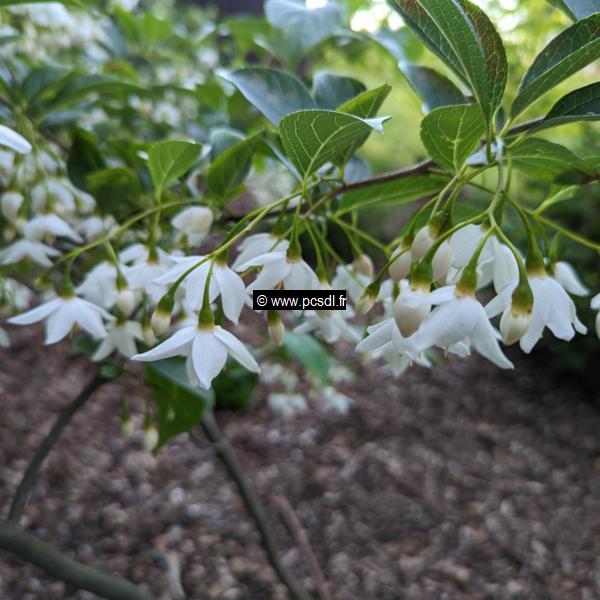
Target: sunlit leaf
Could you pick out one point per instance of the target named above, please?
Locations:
(580, 105)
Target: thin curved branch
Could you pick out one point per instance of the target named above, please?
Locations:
(24, 545)
(228, 458)
(30, 475)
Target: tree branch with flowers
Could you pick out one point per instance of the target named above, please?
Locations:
(131, 239)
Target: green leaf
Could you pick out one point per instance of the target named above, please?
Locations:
(80, 87)
(570, 51)
(577, 9)
(274, 93)
(313, 137)
(84, 158)
(541, 159)
(309, 352)
(560, 193)
(169, 160)
(398, 191)
(306, 27)
(434, 89)
(450, 134)
(78, 3)
(41, 80)
(154, 30)
(463, 36)
(179, 405)
(580, 105)
(367, 104)
(331, 90)
(230, 168)
(117, 191)
(222, 138)
(234, 387)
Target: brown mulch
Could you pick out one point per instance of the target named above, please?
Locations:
(460, 482)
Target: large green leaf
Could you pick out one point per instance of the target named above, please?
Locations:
(80, 87)
(331, 90)
(179, 405)
(308, 27)
(434, 89)
(580, 105)
(169, 160)
(313, 137)
(309, 352)
(570, 51)
(41, 80)
(463, 36)
(451, 133)
(84, 158)
(117, 190)
(577, 9)
(541, 159)
(228, 170)
(275, 93)
(393, 192)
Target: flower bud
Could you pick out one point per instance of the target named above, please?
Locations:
(514, 324)
(148, 334)
(11, 203)
(400, 268)
(276, 327)
(407, 318)
(421, 244)
(160, 321)
(127, 426)
(442, 261)
(126, 301)
(363, 265)
(150, 437)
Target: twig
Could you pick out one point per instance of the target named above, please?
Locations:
(302, 540)
(227, 456)
(17, 541)
(30, 475)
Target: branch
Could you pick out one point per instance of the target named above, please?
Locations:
(17, 541)
(227, 456)
(30, 475)
(302, 540)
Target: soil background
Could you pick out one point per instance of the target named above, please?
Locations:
(459, 482)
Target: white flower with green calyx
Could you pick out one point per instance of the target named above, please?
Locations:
(552, 306)
(363, 265)
(401, 262)
(161, 317)
(287, 269)
(206, 347)
(11, 203)
(430, 244)
(224, 282)
(38, 252)
(148, 266)
(459, 317)
(63, 314)
(276, 327)
(516, 318)
(49, 226)
(13, 140)
(368, 298)
(412, 305)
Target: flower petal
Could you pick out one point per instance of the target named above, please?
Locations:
(36, 314)
(209, 355)
(233, 292)
(173, 346)
(59, 324)
(237, 349)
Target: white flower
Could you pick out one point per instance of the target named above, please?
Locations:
(121, 336)
(286, 405)
(257, 244)
(224, 282)
(459, 319)
(332, 399)
(552, 308)
(144, 274)
(206, 349)
(100, 285)
(43, 225)
(595, 305)
(278, 267)
(62, 314)
(11, 203)
(566, 275)
(13, 295)
(13, 140)
(36, 251)
(410, 308)
(194, 222)
(400, 268)
(346, 278)
(332, 325)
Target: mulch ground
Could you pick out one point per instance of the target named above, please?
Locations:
(459, 482)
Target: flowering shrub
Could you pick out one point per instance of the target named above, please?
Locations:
(158, 166)
(120, 169)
